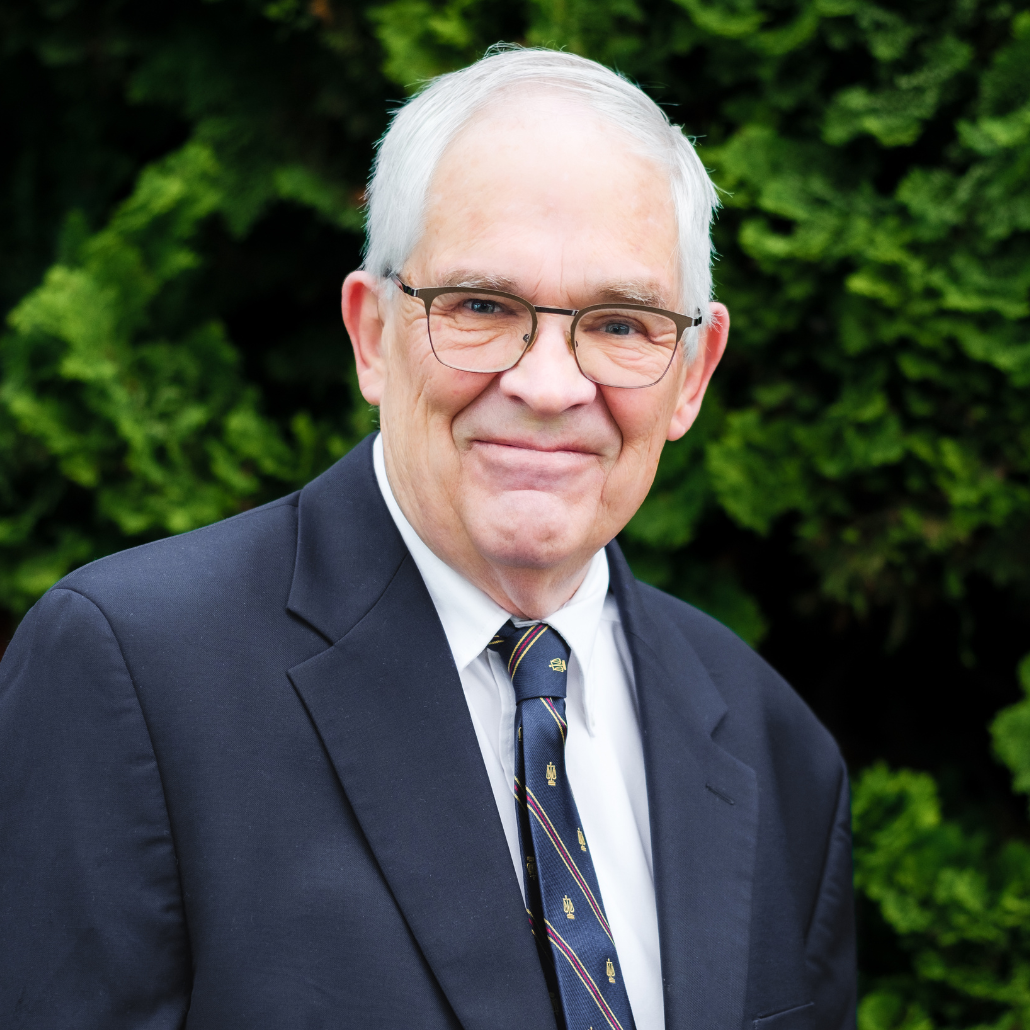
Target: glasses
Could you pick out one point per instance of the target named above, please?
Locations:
(622, 345)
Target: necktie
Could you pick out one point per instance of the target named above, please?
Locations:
(562, 896)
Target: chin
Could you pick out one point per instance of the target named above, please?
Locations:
(527, 529)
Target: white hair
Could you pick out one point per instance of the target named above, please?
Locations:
(421, 130)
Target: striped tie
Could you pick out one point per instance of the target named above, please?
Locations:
(562, 896)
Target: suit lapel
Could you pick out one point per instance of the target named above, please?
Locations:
(388, 704)
(704, 818)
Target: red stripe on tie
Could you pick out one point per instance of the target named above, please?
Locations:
(569, 862)
(550, 704)
(588, 981)
(524, 645)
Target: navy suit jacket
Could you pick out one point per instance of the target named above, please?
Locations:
(240, 788)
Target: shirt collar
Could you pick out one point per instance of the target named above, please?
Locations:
(470, 617)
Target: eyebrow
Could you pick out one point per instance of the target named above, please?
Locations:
(611, 291)
(635, 291)
(477, 281)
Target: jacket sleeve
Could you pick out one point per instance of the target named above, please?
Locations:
(830, 944)
(92, 930)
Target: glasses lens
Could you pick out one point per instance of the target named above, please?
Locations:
(479, 331)
(625, 347)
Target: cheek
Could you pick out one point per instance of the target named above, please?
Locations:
(642, 417)
(420, 389)
(644, 424)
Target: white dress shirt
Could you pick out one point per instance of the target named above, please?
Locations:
(603, 754)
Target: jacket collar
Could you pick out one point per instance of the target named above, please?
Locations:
(703, 807)
(348, 549)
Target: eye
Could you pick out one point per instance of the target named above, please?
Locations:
(614, 328)
(481, 306)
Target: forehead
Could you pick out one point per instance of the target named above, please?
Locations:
(545, 194)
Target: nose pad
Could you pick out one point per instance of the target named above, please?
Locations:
(529, 339)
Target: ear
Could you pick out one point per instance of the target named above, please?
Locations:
(359, 302)
(709, 352)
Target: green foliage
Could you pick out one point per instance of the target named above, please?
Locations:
(958, 899)
(959, 903)
(162, 434)
(126, 411)
(903, 444)
(1011, 733)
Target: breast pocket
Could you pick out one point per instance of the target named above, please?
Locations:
(801, 1017)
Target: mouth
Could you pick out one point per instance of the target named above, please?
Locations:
(521, 464)
(542, 447)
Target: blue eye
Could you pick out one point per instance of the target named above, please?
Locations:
(482, 307)
(617, 328)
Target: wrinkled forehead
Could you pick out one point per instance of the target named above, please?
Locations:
(545, 180)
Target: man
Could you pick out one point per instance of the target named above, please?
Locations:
(411, 747)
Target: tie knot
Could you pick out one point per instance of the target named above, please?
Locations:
(537, 659)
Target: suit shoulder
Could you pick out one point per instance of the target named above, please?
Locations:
(210, 559)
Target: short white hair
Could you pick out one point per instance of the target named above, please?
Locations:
(420, 131)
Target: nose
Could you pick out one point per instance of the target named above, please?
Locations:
(547, 379)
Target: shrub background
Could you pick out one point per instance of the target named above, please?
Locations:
(181, 199)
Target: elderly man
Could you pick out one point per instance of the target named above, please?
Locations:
(411, 747)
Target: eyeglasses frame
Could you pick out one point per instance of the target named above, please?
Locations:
(427, 294)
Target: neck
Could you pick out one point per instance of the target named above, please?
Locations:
(527, 593)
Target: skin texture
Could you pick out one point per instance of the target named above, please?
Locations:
(516, 479)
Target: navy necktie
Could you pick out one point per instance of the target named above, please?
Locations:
(562, 896)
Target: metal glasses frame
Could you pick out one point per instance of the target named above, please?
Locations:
(427, 294)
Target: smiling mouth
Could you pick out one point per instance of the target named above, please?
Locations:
(521, 465)
(531, 447)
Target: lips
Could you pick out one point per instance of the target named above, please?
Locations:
(519, 467)
(537, 447)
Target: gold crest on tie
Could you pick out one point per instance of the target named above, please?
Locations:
(610, 970)
(552, 775)
(558, 664)
(582, 840)
(570, 909)
(531, 867)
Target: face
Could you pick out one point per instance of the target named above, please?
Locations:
(517, 478)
